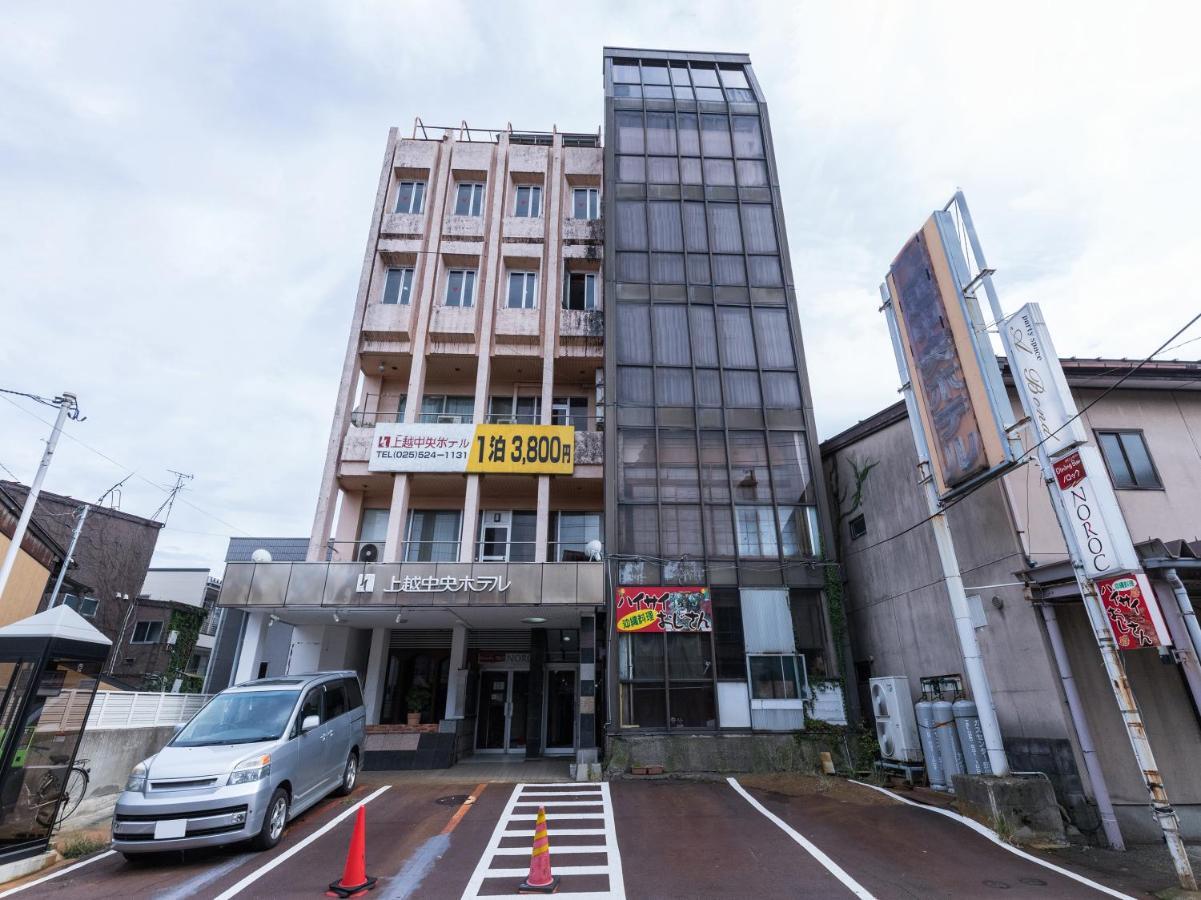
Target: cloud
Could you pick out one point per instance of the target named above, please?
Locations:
(187, 190)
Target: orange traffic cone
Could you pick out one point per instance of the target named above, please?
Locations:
(354, 881)
(540, 880)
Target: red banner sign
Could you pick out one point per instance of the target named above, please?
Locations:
(1069, 471)
(654, 610)
(1132, 611)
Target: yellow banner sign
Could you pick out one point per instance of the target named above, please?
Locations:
(523, 449)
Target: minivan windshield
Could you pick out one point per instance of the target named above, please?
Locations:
(240, 717)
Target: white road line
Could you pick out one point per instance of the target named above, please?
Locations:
(45, 878)
(832, 867)
(292, 851)
(992, 836)
(510, 825)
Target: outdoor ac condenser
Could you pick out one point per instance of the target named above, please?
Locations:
(896, 725)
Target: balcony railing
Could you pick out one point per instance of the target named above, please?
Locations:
(448, 552)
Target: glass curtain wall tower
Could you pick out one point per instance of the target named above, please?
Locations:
(711, 425)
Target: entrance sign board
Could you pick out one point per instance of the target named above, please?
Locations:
(655, 610)
(1132, 612)
(1040, 381)
(451, 447)
(1093, 514)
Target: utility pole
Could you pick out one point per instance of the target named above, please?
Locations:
(68, 406)
(62, 570)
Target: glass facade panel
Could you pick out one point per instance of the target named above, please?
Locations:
(633, 334)
(719, 532)
(719, 171)
(715, 135)
(665, 228)
(715, 475)
(765, 271)
(635, 386)
(678, 467)
(781, 390)
(633, 267)
(637, 474)
(680, 532)
(667, 268)
(698, 270)
(708, 388)
(703, 330)
(737, 339)
(671, 336)
(690, 171)
(758, 228)
(789, 465)
(729, 270)
(629, 132)
(673, 387)
(756, 532)
(638, 530)
(752, 172)
(631, 225)
(626, 71)
(661, 133)
(696, 236)
(654, 74)
(727, 634)
(631, 168)
(742, 390)
(749, 466)
(773, 339)
(663, 170)
(725, 234)
(748, 137)
(687, 135)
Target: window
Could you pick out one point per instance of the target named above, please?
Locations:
(433, 536)
(727, 634)
(662, 672)
(514, 410)
(398, 286)
(776, 677)
(523, 290)
(570, 411)
(808, 630)
(629, 132)
(147, 632)
(798, 530)
(585, 203)
(335, 699)
(857, 527)
(410, 197)
(442, 408)
(1128, 460)
(528, 203)
(507, 536)
(460, 287)
(572, 533)
(581, 291)
(310, 707)
(374, 526)
(354, 694)
(756, 531)
(85, 606)
(469, 199)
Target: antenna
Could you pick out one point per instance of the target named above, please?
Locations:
(165, 509)
(115, 491)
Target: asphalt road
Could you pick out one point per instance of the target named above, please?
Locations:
(778, 837)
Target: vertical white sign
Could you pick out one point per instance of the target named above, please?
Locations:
(1040, 381)
(1093, 513)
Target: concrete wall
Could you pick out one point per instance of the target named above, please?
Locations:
(112, 753)
(725, 752)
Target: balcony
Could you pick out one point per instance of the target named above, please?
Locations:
(308, 585)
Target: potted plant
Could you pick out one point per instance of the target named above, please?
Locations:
(416, 700)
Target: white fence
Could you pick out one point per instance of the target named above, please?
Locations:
(119, 709)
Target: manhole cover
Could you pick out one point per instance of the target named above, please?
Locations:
(452, 800)
(1037, 882)
(999, 885)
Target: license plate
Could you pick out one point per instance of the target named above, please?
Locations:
(170, 828)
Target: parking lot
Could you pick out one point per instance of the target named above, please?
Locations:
(773, 836)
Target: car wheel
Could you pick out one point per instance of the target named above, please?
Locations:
(273, 822)
(350, 775)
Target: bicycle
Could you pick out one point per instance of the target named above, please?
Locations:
(48, 795)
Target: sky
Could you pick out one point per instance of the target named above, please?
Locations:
(186, 191)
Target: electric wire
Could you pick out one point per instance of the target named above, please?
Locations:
(132, 472)
(1025, 457)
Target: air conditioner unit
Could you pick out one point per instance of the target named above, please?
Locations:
(896, 724)
(172, 637)
(504, 421)
(451, 420)
(368, 553)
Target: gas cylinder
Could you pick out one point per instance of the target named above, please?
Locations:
(971, 738)
(947, 740)
(925, 732)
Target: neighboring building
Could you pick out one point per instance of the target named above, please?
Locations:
(37, 566)
(480, 303)
(711, 425)
(183, 601)
(1012, 556)
(229, 623)
(111, 556)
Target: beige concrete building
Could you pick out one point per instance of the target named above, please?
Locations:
(467, 601)
(1012, 556)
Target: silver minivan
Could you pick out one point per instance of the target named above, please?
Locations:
(255, 756)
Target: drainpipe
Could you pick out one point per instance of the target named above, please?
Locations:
(1109, 821)
(1186, 609)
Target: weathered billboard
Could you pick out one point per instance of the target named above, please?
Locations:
(954, 370)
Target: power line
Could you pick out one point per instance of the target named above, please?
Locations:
(1025, 455)
(133, 473)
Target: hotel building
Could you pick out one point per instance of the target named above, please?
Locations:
(567, 499)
